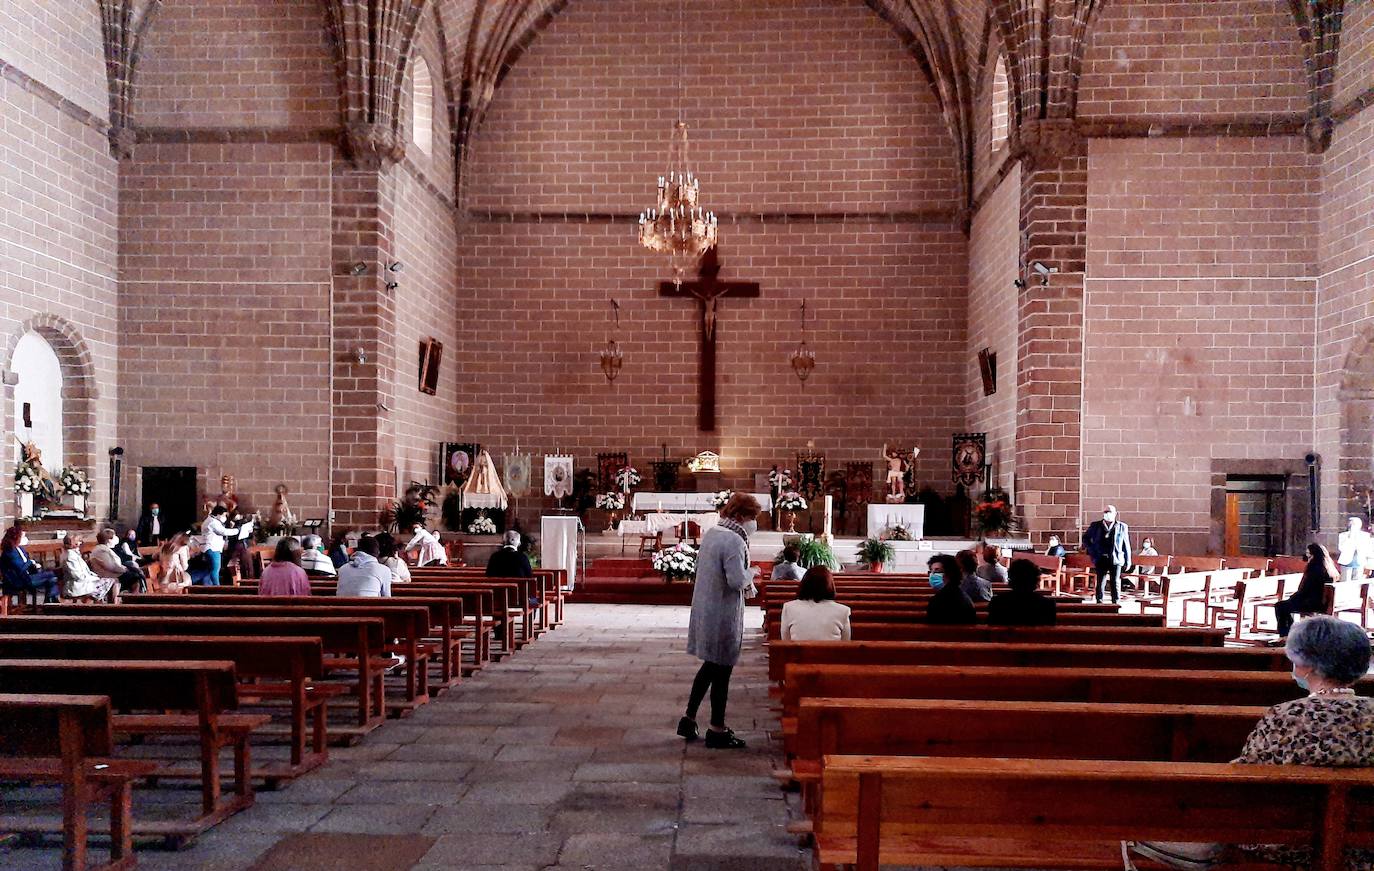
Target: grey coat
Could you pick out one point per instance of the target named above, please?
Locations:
(716, 630)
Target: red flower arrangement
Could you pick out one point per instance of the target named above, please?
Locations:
(994, 516)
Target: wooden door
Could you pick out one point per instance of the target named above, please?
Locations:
(1232, 535)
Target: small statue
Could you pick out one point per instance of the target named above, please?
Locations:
(896, 472)
(280, 517)
(32, 456)
(226, 494)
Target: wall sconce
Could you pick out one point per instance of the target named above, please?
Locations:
(612, 358)
(358, 268)
(803, 358)
(358, 357)
(396, 266)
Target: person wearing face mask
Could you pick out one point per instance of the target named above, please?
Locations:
(149, 529)
(715, 632)
(1108, 544)
(1054, 548)
(18, 572)
(1354, 547)
(950, 604)
(1330, 726)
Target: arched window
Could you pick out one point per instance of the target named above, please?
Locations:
(422, 107)
(1000, 105)
(38, 398)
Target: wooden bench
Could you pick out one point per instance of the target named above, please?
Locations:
(1187, 587)
(356, 641)
(69, 740)
(784, 653)
(1074, 813)
(1249, 594)
(197, 698)
(295, 663)
(1039, 634)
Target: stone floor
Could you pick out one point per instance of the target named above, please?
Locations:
(561, 757)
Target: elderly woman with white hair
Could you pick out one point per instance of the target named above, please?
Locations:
(1331, 726)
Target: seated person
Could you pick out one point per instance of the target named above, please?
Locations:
(949, 605)
(1330, 727)
(387, 554)
(978, 586)
(82, 583)
(787, 569)
(815, 615)
(1054, 548)
(284, 575)
(362, 575)
(338, 549)
(107, 564)
(507, 561)
(968, 563)
(426, 547)
(18, 572)
(174, 558)
(314, 560)
(1024, 605)
(127, 551)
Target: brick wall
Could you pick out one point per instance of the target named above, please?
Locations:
(812, 107)
(237, 63)
(57, 42)
(225, 283)
(1192, 59)
(1355, 66)
(57, 236)
(993, 257)
(1198, 321)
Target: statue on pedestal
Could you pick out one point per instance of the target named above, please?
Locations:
(897, 468)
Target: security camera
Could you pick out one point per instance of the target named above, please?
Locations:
(1019, 284)
(1043, 271)
(397, 266)
(358, 268)
(391, 285)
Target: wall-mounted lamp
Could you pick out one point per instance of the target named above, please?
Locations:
(396, 266)
(358, 268)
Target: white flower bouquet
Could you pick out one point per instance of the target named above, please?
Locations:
(791, 501)
(779, 481)
(74, 481)
(26, 479)
(613, 501)
(719, 499)
(627, 477)
(678, 561)
(482, 525)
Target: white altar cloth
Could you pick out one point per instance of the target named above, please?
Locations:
(881, 516)
(558, 549)
(652, 524)
(684, 502)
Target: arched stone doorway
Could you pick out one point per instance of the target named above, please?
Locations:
(1357, 426)
(28, 377)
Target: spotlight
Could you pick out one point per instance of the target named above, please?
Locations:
(397, 266)
(359, 356)
(1043, 271)
(1019, 284)
(391, 285)
(359, 268)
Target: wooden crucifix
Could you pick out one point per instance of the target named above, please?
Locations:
(708, 289)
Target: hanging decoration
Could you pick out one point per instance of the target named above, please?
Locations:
(803, 358)
(612, 358)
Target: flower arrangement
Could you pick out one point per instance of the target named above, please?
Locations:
(779, 481)
(482, 525)
(26, 479)
(613, 501)
(873, 552)
(718, 500)
(791, 501)
(74, 481)
(677, 561)
(993, 516)
(899, 532)
(627, 477)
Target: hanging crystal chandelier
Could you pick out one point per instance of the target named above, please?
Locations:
(803, 359)
(677, 225)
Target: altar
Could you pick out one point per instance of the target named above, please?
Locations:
(686, 502)
(881, 517)
(656, 522)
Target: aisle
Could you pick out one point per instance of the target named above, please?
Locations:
(561, 757)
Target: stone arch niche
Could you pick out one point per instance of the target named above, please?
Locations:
(78, 398)
(1356, 397)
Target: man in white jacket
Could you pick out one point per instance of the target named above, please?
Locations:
(216, 534)
(363, 575)
(1354, 550)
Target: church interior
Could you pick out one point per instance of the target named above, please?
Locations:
(532, 306)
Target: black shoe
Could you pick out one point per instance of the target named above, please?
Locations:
(687, 728)
(723, 740)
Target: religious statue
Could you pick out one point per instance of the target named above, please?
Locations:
(896, 472)
(32, 456)
(226, 493)
(280, 517)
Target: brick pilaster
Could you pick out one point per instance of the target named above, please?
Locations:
(1054, 213)
(364, 319)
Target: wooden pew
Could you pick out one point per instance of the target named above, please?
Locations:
(1039, 634)
(862, 617)
(294, 663)
(784, 653)
(356, 641)
(1074, 813)
(1250, 594)
(1189, 587)
(409, 624)
(521, 592)
(197, 698)
(69, 740)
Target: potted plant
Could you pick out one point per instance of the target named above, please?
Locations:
(874, 553)
(677, 561)
(994, 514)
(812, 552)
(789, 503)
(612, 502)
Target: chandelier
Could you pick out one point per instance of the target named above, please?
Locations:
(803, 359)
(677, 225)
(612, 358)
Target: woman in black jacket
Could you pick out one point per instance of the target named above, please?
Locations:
(950, 604)
(1320, 571)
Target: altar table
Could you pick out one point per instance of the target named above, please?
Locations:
(881, 516)
(685, 502)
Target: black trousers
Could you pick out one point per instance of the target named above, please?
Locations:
(716, 677)
(1109, 577)
(1290, 608)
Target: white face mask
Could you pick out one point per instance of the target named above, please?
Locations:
(750, 526)
(23, 541)
(1108, 518)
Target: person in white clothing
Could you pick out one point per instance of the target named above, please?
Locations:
(82, 582)
(313, 558)
(787, 568)
(1355, 550)
(426, 547)
(386, 554)
(815, 615)
(216, 534)
(362, 575)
